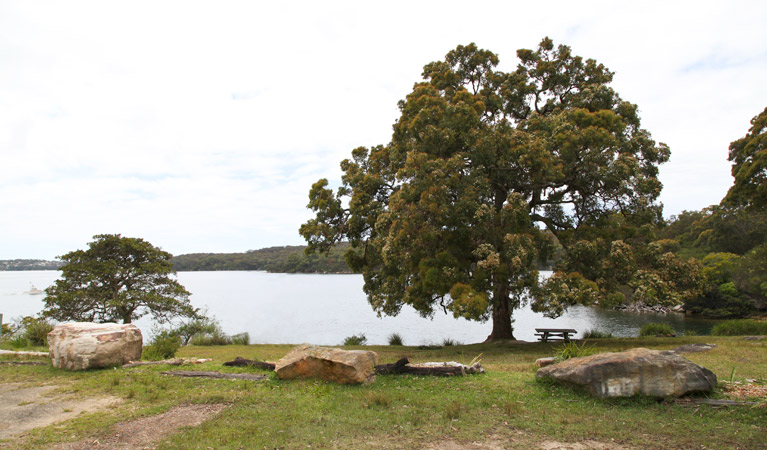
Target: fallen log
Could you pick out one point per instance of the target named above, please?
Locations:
(235, 376)
(170, 362)
(242, 362)
(438, 369)
(713, 402)
(26, 363)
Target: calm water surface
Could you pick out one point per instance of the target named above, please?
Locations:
(324, 309)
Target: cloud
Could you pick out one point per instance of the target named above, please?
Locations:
(201, 127)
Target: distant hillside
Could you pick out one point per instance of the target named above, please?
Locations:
(29, 264)
(290, 259)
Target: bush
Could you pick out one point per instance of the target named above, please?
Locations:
(448, 342)
(163, 346)
(241, 339)
(395, 339)
(597, 334)
(356, 339)
(573, 350)
(202, 326)
(656, 329)
(217, 337)
(36, 330)
(743, 327)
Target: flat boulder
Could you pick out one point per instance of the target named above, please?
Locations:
(329, 364)
(637, 371)
(86, 345)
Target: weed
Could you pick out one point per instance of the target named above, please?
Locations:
(356, 339)
(453, 410)
(376, 399)
(448, 342)
(395, 339)
(573, 350)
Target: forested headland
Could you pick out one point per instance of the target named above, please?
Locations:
(287, 259)
(29, 264)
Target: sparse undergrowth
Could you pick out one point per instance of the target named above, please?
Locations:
(409, 411)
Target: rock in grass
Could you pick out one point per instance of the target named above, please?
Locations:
(85, 345)
(329, 364)
(694, 348)
(636, 371)
(543, 362)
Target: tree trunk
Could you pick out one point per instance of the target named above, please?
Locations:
(502, 329)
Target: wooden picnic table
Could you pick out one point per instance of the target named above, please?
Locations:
(554, 334)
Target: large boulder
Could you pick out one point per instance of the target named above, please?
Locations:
(329, 364)
(636, 371)
(85, 345)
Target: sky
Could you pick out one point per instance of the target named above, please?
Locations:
(201, 126)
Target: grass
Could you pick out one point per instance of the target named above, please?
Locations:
(408, 411)
(656, 329)
(740, 327)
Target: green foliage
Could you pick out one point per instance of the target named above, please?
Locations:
(117, 279)
(656, 329)
(742, 327)
(288, 259)
(36, 329)
(597, 334)
(204, 331)
(451, 213)
(199, 326)
(28, 331)
(573, 350)
(749, 166)
(355, 339)
(241, 339)
(163, 345)
(449, 342)
(395, 339)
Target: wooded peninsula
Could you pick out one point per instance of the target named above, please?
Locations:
(286, 259)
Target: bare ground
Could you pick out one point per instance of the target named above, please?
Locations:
(523, 441)
(143, 433)
(25, 408)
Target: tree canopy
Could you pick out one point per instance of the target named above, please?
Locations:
(749, 166)
(117, 279)
(486, 172)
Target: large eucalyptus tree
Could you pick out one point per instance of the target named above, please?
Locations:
(487, 172)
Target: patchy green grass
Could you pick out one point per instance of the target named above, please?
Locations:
(412, 412)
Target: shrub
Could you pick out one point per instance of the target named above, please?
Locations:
(656, 329)
(597, 334)
(163, 346)
(217, 337)
(201, 326)
(573, 350)
(742, 327)
(241, 339)
(356, 339)
(448, 342)
(395, 339)
(36, 330)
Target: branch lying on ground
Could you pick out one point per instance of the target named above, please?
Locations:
(235, 376)
(242, 362)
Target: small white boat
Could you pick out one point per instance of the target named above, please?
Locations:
(34, 291)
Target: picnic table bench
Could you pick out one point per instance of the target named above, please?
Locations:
(552, 334)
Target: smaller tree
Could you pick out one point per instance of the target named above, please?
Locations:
(117, 279)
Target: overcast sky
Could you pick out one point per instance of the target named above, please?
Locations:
(200, 127)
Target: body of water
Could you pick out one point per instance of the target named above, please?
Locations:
(324, 309)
